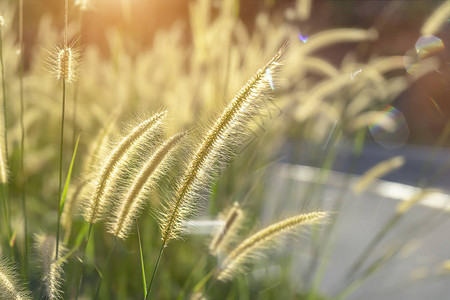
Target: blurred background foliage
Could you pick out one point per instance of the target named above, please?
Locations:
(351, 86)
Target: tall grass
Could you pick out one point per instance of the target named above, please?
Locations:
(170, 174)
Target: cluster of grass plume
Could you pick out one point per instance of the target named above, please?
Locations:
(127, 209)
(108, 177)
(118, 180)
(228, 130)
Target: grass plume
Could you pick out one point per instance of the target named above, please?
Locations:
(10, 285)
(94, 207)
(52, 269)
(378, 171)
(225, 131)
(221, 239)
(258, 241)
(64, 63)
(128, 209)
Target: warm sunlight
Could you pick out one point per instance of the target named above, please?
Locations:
(224, 149)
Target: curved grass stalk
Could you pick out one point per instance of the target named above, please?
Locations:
(104, 268)
(83, 261)
(320, 66)
(95, 206)
(22, 143)
(260, 240)
(225, 131)
(4, 146)
(437, 19)
(378, 171)
(334, 36)
(232, 224)
(125, 213)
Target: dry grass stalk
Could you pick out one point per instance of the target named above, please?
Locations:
(251, 246)
(96, 204)
(378, 171)
(219, 140)
(125, 213)
(330, 37)
(221, 239)
(3, 151)
(437, 19)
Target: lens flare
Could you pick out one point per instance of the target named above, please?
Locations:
(269, 78)
(303, 38)
(411, 61)
(389, 128)
(428, 45)
(425, 46)
(436, 107)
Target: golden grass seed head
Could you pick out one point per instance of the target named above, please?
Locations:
(115, 164)
(125, 213)
(233, 220)
(52, 270)
(216, 148)
(64, 63)
(10, 286)
(253, 245)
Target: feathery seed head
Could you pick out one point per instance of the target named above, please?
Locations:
(221, 239)
(128, 209)
(52, 276)
(10, 286)
(64, 63)
(253, 245)
(110, 173)
(217, 148)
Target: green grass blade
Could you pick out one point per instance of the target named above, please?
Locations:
(69, 175)
(144, 281)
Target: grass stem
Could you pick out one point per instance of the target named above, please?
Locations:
(22, 144)
(155, 269)
(144, 281)
(104, 268)
(83, 262)
(5, 193)
(60, 164)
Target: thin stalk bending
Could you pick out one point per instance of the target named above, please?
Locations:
(95, 206)
(4, 145)
(217, 148)
(251, 246)
(125, 213)
(22, 140)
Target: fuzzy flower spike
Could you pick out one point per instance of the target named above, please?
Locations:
(216, 149)
(64, 63)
